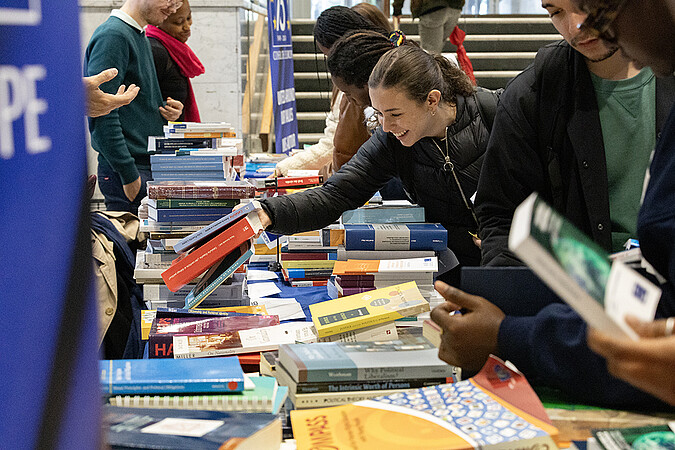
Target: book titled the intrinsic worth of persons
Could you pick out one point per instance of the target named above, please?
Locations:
(496, 409)
(367, 308)
(410, 357)
(579, 271)
(177, 429)
(170, 376)
(380, 236)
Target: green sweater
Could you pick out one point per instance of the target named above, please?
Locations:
(121, 137)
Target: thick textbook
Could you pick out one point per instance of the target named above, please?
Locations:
(195, 263)
(390, 211)
(200, 237)
(266, 396)
(217, 275)
(579, 271)
(412, 357)
(368, 308)
(200, 189)
(496, 409)
(171, 429)
(163, 330)
(380, 236)
(170, 376)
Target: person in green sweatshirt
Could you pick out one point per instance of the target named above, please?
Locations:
(121, 137)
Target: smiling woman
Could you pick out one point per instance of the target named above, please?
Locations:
(175, 62)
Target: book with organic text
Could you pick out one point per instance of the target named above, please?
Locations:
(169, 376)
(579, 271)
(367, 308)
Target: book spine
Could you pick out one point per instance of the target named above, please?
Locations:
(160, 346)
(325, 399)
(182, 176)
(198, 402)
(192, 301)
(188, 214)
(195, 203)
(174, 387)
(177, 167)
(307, 273)
(189, 159)
(163, 143)
(198, 261)
(383, 215)
(304, 256)
(203, 234)
(196, 135)
(308, 283)
(199, 192)
(360, 385)
(398, 238)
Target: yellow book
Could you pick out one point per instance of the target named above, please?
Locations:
(495, 410)
(367, 308)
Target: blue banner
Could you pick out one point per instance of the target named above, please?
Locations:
(283, 85)
(48, 339)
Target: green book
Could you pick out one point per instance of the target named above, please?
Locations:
(652, 437)
(172, 203)
(267, 396)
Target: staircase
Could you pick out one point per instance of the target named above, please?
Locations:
(499, 47)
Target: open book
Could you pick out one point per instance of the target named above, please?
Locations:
(579, 271)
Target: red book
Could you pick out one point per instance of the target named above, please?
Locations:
(183, 270)
(302, 256)
(288, 182)
(200, 189)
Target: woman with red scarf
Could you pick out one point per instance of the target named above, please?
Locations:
(175, 62)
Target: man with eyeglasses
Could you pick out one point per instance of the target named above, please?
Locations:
(121, 137)
(578, 126)
(645, 31)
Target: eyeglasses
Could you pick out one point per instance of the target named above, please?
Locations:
(599, 21)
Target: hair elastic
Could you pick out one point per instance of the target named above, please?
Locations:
(396, 38)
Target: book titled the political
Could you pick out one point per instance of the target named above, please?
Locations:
(200, 189)
(409, 357)
(174, 429)
(496, 409)
(217, 275)
(198, 261)
(163, 330)
(579, 271)
(368, 308)
(392, 236)
(170, 376)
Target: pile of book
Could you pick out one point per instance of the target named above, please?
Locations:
(336, 373)
(196, 151)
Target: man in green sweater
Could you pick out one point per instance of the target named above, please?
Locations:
(121, 137)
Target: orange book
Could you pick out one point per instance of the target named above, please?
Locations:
(185, 269)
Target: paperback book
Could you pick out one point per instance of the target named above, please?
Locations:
(171, 429)
(495, 409)
(170, 376)
(413, 236)
(389, 211)
(368, 308)
(187, 214)
(579, 271)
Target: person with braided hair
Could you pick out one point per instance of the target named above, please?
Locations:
(432, 137)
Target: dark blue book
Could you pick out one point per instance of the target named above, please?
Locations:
(188, 429)
(412, 236)
(189, 176)
(171, 376)
(199, 237)
(187, 214)
(170, 145)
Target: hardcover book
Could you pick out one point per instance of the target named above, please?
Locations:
(200, 189)
(187, 214)
(288, 182)
(409, 357)
(200, 237)
(495, 409)
(413, 236)
(171, 429)
(243, 341)
(161, 144)
(163, 330)
(186, 269)
(170, 376)
(579, 271)
(217, 274)
(266, 397)
(368, 308)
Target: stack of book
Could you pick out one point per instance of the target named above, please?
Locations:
(312, 253)
(388, 211)
(336, 373)
(201, 151)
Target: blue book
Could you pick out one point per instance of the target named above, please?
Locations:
(186, 159)
(206, 233)
(161, 144)
(189, 176)
(385, 214)
(217, 274)
(305, 273)
(187, 214)
(189, 167)
(171, 376)
(412, 236)
(172, 429)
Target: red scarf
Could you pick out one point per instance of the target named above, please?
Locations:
(457, 38)
(188, 64)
